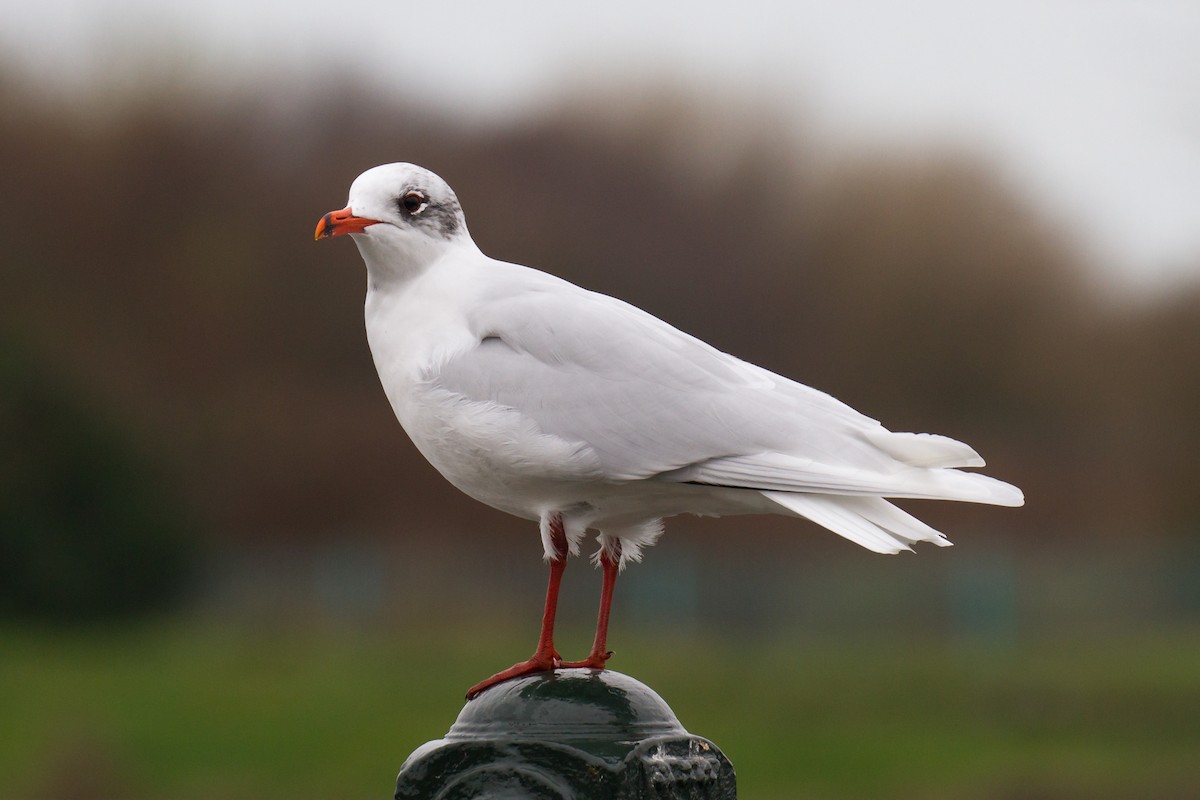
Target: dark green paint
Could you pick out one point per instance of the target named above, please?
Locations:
(573, 734)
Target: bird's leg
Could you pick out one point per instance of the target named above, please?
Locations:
(545, 657)
(610, 563)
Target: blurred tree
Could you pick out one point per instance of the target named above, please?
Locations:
(87, 528)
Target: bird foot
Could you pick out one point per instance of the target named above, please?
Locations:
(540, 662)
(593, 661)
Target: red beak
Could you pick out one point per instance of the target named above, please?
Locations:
(335, 223)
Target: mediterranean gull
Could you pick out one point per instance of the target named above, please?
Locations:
(580, 411)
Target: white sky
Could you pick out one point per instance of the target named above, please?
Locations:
(1092, 106)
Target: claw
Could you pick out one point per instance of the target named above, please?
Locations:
(593, 661)
(540, 662)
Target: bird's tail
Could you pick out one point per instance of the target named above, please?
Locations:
(871, 522)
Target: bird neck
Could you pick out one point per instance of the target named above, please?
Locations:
(393, 263)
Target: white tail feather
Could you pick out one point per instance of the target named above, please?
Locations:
(871, 522)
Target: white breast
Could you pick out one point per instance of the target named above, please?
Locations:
(493, 453)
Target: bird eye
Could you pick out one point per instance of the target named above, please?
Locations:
(414, 202)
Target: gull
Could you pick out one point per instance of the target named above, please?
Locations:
(582, 412)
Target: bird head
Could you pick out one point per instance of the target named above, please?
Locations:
(399, 215)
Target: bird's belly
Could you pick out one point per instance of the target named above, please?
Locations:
(493, 453)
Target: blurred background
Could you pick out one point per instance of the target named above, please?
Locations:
(226, 573)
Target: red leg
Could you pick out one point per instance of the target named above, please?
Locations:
(600, 652)
(545, 657)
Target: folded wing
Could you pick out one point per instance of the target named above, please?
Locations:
(654, 403)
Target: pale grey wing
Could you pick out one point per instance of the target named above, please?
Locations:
(649, 400)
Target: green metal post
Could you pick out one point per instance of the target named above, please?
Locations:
(574, 734)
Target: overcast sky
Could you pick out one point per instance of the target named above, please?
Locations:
(1092, 106)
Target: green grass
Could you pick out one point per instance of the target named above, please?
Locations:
(191, 710)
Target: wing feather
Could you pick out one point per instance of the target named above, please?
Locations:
(653, 402)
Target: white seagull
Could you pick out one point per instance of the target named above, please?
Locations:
(580, 411)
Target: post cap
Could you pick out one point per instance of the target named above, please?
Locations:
(574, 734)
